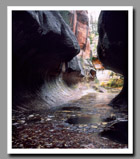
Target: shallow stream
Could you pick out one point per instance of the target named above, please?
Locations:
(88, 122)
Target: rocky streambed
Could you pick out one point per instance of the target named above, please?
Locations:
(87, 122)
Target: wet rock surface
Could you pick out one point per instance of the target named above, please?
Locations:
(83, 123)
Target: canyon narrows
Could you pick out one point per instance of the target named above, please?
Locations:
(58, 100)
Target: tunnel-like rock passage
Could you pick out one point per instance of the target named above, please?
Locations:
(41, 43)
(47, 111)
(113, 48)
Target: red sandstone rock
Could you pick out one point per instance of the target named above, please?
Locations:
(79, 22)
(87, 50)
(97, 64)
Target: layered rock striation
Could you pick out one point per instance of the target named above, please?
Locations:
(41, 43)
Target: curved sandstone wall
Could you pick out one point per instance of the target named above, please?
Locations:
(44, 49)
(113, 47)
(41, 43)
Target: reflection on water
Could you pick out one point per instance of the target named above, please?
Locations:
(92, 114)
(87, 119)
(80, 123)
(71, 108)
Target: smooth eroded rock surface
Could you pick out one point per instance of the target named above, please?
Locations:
(113, 47)
(41, 43)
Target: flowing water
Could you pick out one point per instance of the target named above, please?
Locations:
(86, 122)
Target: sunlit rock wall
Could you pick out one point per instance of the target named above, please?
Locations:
(82, 33)
(79, 23)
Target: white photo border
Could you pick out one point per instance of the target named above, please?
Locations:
(128, 150)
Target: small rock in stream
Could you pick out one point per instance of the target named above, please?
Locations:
(33, 117)
(15, 124)
(21, 121)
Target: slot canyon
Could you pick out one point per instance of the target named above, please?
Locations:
(69, 79)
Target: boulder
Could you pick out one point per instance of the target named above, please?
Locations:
(113, 48)
(82, 66)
